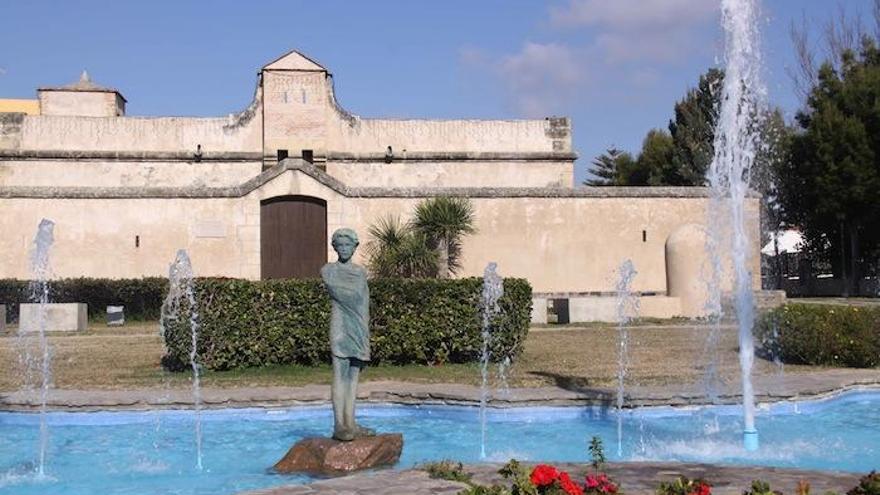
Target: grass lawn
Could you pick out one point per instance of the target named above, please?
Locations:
(108, 358)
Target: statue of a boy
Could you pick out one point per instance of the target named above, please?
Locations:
(349, 331)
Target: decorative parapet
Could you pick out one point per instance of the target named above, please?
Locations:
(320, 176)
(458, 156)
(142, 156)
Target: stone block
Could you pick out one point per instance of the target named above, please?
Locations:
(328, 457)
(659, 307)
(604, 308)
(592, 308)
(115, 316)
(769, 299)
(60, 317)
(539, 310)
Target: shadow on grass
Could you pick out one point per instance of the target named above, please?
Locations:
(580, 385)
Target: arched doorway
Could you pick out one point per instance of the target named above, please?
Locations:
(293, 237)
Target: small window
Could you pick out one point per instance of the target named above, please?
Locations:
(644, 236)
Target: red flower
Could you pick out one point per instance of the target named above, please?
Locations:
(702, 489)
(601, 483)
(543, 475)
(569, 486)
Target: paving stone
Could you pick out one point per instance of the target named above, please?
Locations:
(792, 386)
(636, 478)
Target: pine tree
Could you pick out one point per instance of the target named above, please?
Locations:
(693, 132)
(607, 167)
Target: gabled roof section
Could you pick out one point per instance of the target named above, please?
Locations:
(84, 84)
(294, 60)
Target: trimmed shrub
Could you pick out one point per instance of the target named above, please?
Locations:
(868, 485)
(142, 297)
(257, 323)
(822, 335)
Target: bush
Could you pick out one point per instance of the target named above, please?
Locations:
(868, 485)
(257, 323)
(142, 297)
(684, 486)
(822, 335)
(447, 470)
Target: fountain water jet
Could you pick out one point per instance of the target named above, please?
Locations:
(627, 309)
(736, 143)
(39, 287)
(181, 290)
(493, 289)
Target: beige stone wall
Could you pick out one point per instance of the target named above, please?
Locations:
(301, 113)
(454, 174)
(139, 134)
(572, 244)
(96, 238)
(80, 103)
(19, 105)
(375, 135)
(294, 109)
(125, 173)
(565, 244)
(297, 109)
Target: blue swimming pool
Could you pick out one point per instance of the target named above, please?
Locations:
(154, 452)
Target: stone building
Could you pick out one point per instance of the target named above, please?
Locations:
(255, 194)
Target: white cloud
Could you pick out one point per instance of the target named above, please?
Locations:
(599, 48)
(541, 79)
(633, 14)
(639, 30)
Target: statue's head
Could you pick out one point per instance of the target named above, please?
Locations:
(344, 242)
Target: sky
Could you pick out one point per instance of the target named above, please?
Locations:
(615, 67)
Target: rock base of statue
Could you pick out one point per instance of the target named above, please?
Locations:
(329, 457)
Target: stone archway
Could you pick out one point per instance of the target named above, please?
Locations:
(293, 237)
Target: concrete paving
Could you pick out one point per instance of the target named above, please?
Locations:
(635, 478)
(769, 389)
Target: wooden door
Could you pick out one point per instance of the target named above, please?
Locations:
(293, 237)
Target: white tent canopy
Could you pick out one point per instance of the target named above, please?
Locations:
(789, 242)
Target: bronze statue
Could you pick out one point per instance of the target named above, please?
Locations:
(349, 331)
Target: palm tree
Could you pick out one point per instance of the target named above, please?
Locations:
(443, 221)
(397, 250)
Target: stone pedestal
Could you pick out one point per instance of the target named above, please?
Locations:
(60, 317)
(329, 457)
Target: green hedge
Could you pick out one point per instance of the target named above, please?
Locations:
(141, 297)
(822, 335)
(246, 323)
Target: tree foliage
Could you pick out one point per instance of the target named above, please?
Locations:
(693, 133)
(830, 186)
(656, 154)
(611, 168)
(443, 221)
(397, 250)
(427, 246)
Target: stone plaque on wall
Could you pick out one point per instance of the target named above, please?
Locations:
(209, 229)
